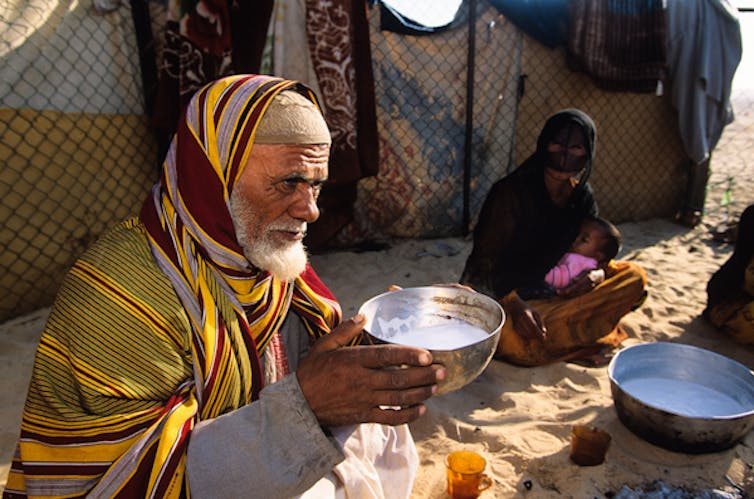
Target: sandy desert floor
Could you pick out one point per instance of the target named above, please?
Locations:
(520, 419)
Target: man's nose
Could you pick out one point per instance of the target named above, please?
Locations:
(305, 207)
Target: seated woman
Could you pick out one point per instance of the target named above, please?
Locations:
(730, 290)
(528, 220)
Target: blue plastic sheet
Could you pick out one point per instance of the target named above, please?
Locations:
(544, 20)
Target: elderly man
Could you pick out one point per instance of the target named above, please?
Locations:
(180, 354)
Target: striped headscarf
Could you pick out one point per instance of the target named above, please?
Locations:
(192, 236)
(234, 308)
(113, 398)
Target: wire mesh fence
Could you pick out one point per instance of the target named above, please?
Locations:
(446, 117)
(458, 108)
(77, 151)
(444, 142)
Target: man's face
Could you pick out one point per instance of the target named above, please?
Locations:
(273, 201)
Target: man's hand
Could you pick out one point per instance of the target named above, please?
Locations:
(371, 383)
(583, 283)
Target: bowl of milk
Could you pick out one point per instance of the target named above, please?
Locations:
(461, 328)
(681, 397)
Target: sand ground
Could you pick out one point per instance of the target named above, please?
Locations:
(519, 419)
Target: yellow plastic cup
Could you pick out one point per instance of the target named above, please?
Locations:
(466, 477)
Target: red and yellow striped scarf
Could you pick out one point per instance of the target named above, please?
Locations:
(193, 240)
(234, 309)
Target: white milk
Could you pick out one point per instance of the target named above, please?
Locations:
(683, 397)
(441, 337)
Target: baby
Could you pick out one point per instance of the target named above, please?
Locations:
(598, 242)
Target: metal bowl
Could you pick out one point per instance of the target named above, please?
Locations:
(392, 314)
(681, 397)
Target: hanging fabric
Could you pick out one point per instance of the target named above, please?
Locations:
(621, 44)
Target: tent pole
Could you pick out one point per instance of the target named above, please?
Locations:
(147, 63)
(469, 116)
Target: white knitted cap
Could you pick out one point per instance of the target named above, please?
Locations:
(291, 118)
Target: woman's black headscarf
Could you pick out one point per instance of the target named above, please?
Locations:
(556, 123)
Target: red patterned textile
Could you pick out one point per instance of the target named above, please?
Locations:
(338, 34)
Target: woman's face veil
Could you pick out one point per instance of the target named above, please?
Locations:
(567, 142)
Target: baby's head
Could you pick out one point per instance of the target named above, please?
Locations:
(598, 239)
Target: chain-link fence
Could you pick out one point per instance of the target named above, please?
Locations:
(77, 153)
(457, 110)
(444, 142)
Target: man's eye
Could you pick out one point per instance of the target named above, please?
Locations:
(289, 185)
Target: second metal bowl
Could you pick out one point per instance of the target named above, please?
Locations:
(681, 397)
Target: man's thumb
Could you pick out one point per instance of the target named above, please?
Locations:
(341, 335)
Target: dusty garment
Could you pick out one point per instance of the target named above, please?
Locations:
(161, 323)
(578, 324)
(730, 290)
(704, 50)
(380, 463)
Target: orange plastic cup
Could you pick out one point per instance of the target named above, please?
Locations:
(589, 445)
(466, 477)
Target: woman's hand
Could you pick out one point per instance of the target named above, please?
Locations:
(526, 321)
(583, 283)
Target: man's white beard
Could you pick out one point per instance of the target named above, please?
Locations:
(284, 261)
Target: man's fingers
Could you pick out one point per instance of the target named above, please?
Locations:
(381, 356)
(406, 378)
(341, 335)
(405, 398)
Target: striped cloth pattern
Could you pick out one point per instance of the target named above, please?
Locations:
(621, 44)
(162, 322)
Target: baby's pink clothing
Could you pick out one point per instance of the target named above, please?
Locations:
(569, 266)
